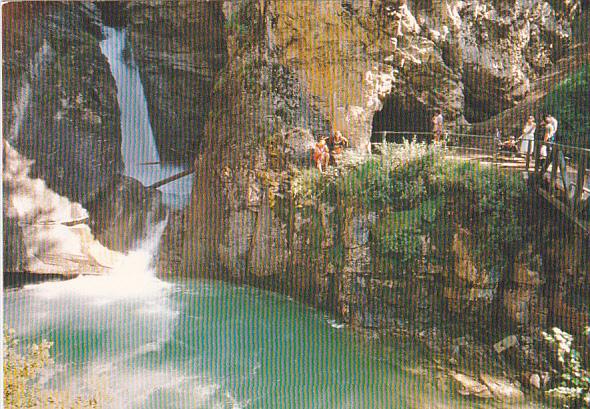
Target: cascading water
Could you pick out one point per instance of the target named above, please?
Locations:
(139, 151)
(143, 343)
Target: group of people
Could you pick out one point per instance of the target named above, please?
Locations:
(328, 149)
(527, 138)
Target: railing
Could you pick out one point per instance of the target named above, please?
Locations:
(563, 172)
(458, 142)
(561, 176)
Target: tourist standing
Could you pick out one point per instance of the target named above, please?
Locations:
(437, 125)
(527, 144)
(550, 131)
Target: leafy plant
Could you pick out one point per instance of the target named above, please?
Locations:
(574, 380)
(22, 367)
(569, 102)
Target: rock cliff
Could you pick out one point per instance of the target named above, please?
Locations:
(179, 47)
(60, 104)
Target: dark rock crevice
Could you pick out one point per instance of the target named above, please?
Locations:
(179, 49)
(401, 114)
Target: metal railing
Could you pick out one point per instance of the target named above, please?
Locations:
(561, 174)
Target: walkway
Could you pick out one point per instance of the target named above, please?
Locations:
(562, 179)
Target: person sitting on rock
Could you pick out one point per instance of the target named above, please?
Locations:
(509, 145)
(321, 155)
(336, 143)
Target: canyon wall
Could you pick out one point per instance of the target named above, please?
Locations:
(60, 103)
(179, 47)
(297, 70)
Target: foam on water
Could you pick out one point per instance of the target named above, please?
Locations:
(133, 277)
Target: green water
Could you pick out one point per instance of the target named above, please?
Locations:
(194, 344)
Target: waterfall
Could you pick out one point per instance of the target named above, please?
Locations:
(138, 148)
(138, 144)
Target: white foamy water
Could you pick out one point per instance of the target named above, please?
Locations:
(138, 148)
(133, 277)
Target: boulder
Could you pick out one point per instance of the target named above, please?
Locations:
(501, 388)
(468, 386)
(124, 213)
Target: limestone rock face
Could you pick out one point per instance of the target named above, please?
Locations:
(469, 289)
(522, 300)
(60, 105)
(471, 58)
(297, 70)
(179, 47)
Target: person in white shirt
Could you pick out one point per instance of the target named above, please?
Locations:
(437, 125)
(528, 136)
(550, 130)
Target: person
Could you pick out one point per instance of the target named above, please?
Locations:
(550, 130)
(437, 125)
(336, 143)
(321, 155)
(498, 137)
(509, 145)
(527, 138)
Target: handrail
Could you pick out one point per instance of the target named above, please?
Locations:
(579, 148)
(574, 186)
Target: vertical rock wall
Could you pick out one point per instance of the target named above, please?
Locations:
(60, 104)
(179, 47)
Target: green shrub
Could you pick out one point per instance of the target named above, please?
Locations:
(569, 102)
(20, 371)
(574, 379)
(415, 188)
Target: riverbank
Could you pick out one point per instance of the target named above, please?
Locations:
(456, 254)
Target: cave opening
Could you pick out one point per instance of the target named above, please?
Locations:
(113, 13)
(400, 114)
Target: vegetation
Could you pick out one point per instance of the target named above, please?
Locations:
(418, 193)
(22, 367)
(569, 101)
(574, 379)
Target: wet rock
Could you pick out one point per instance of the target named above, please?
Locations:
(122, 214)
(469, 386)
(501, 388)
(14, 251)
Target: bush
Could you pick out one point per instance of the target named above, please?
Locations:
(574, 380)
(398, 237)
(416, 179)
(22, 367)
(569, 102)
